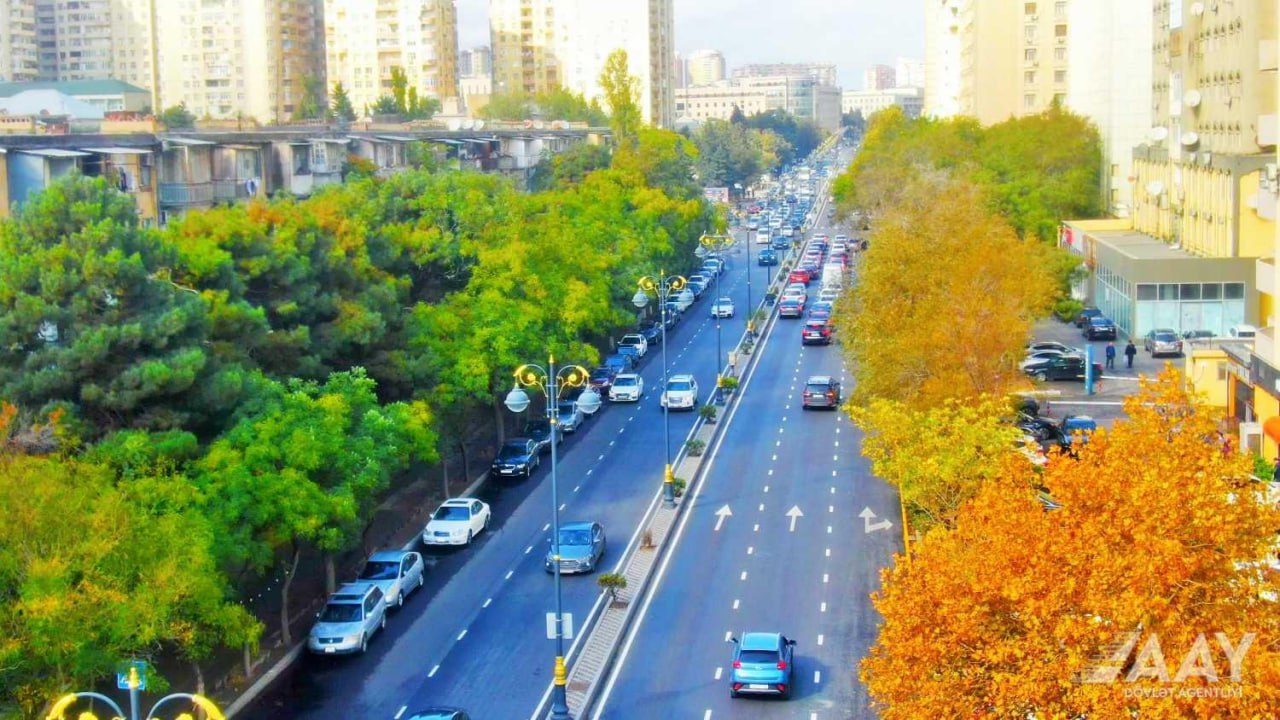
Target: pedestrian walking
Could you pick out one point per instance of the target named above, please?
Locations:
(1129, 351)
(1111, 355)
(1275, 474)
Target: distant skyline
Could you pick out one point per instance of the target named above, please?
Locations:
(852, 34)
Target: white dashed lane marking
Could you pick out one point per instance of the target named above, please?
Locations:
(433, 672)
(510, 573)
(487, 602)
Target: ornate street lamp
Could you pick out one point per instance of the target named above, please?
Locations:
(58, 711)
(706, 245)
(551, 381)
(662, 287)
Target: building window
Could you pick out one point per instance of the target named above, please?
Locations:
(1060, 10)
(1189, 291)
(1060, 54)
(1211, 291)
(1233, 291)
(1168, 291)
(1029, 54)
(1029, 77)
(1059, 76)
(1146, 291)
(1029, 100)
(1029, 33)
(1029, 8)
(1060, 31)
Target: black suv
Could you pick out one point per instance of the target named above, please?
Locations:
(1099, 328)
(1063, 367)
(821, 391)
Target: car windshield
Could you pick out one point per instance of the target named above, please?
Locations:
(1166, 337)
(512, 450)
(340, 613)
(678, 385)
(815, 326)
(452, 512)
(380, 570)
(567, 407)
(816, 388)
(625, 382)
(759, 656)
(575, 537)
(600, 373)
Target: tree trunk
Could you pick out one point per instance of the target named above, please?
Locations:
(199, 685)
(285, 635)
(498, 419)
(248, 662)
(466, 462)
(330, 574)
(444, 473)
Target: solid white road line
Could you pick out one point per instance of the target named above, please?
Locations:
(401, 713)
(433, 672)
(707, 715)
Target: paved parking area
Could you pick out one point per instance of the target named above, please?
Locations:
(1117, 383)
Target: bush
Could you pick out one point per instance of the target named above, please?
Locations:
(695, 447)
(1066, 310)
(678, 485)
(707, 413)
(728, 383)
(1263, 468)
(612, 583)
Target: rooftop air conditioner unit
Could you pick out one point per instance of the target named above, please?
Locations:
(1155, 187)
(1191, 98)
(1190, 138)
(1158, 133)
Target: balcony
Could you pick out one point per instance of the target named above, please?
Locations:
(1265, 275)
(1264, 346)
(186, 195)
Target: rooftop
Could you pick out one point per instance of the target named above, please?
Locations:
(1141, 246)
(73, 87)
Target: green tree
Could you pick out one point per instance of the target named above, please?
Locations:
(312, 105)
(737, 117)
(621, 92)
(178, 117)
(342, 108)
(664, 159)
(95, 573)
(569, 167)
(802, 136)
(400, 89)
(727, 154)
(855, 122)
(386, 105)
(88, 316)
(304, 470)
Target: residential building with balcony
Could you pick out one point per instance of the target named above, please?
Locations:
(870, 102)
(717, 102)
(522, 37)
(365, 40)
(705, 67)
(879, 77)
(19, 46)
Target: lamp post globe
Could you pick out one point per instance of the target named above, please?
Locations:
(589, 401)
(685, 297)
(701, 251)
(640, 299)
(517, 401)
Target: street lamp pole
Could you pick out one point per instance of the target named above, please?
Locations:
(58, 711)
(662, 287)
(550, 382)
(707, 244)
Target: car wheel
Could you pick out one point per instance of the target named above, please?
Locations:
(1041, 376)
(400, 598)
(422, 579)
(786, 694)
(733, 693)
(364, 644)
(382, 624)
(487, 518)
(470, 535)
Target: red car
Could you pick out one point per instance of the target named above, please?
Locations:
(799, 275)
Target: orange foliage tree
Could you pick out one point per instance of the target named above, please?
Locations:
(1148, 594)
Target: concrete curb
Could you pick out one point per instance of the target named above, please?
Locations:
(268, 678)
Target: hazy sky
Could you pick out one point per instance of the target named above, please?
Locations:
(850, 33)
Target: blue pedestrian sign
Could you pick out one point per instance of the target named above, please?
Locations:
(132, 675)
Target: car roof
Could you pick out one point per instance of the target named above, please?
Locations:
(761, 641)
(624, 376)
(819, 380)
(388, 556)
(683, 376)
(350, 590)
(577, 525)
(458, 502)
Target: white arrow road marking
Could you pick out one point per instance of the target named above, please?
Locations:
(870, 527)
(794, 513)
(721, 514)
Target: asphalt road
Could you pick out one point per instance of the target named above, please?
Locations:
(755, 571)
(475, 637)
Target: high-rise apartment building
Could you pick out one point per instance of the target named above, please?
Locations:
(706, 67)
(19, 49)
(680, 67)
(587, 34)
(909, 73)
(993, 59)
(239, 58)
(522, 35)
(98, 40)
(365, 40)
(476, 62)
(879, 77)
(1105, 36)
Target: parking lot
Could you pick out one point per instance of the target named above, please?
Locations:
(1068, 397)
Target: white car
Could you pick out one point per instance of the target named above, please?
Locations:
(456, 522)
(762, 236)
(637, 341)
(626, 387)
(723, 308)
(681, 392)
(828, 294)
(396, 573)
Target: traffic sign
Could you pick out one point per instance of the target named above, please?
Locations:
(125, 675)
(566, 626)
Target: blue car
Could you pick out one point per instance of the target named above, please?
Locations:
(768, 257)
(763, 664)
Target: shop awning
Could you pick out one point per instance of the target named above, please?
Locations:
(188, 141)
(119, 151)
(395, 138)
(57, 153)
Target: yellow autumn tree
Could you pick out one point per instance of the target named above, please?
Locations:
(945, 299)
(938, 469)
(1145, 594)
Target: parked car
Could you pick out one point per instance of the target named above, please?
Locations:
(828, 295)
(569, 416)
(456, 522)
(674, 312)
(1052, 345)
(1198, 335)
(1065, 367)
(1100, 328)
(620, 362)
(602, 378)
(764, 664)
(395, 572)
(1162, 341)
(723, 308)
(1083, 316)
(439, 713)
(1073, 427)
(582, 547)
(628, 387)
(1039, 356)
(635, 340)
(652, 333)
(681, 392)
(767, 256)
(351, 616)
(821, 391)
(815, 332)
(517, 456)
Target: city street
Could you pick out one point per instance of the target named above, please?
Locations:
(795, 556)
(475, 637)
